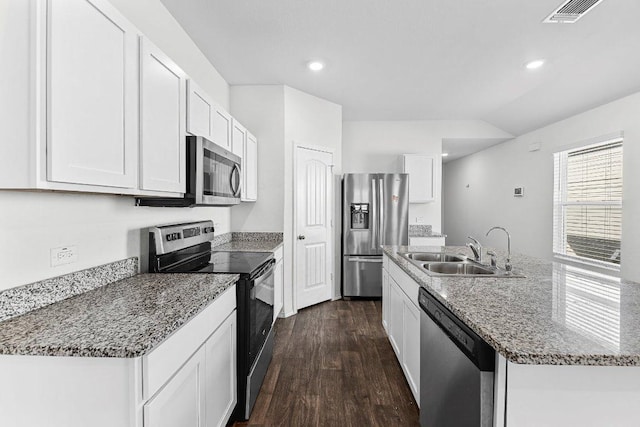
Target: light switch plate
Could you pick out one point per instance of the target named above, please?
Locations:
(419, 220)
(64, 255)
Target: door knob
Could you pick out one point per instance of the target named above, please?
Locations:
(301, 237)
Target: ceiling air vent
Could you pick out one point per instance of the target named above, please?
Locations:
(570, 11)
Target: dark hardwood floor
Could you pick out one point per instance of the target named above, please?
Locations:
(333, 366)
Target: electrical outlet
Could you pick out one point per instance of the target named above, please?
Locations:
(64, 255)
(419, 220)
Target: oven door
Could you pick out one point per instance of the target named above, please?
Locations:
(218, 178)
(260, 310)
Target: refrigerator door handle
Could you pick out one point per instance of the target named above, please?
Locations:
(381, 231)
(375, 260)
(374, 214)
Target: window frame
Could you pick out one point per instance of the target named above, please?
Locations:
(559, 235)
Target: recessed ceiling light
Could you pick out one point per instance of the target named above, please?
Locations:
(532, 65)
(445, 154)
(315, 65)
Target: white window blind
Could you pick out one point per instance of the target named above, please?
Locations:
(587, 198)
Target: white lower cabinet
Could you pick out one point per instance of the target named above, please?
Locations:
(220, 374)
(181, 402)
(203, 392)
(278, 284)
(385, 299)
(189, 380)
(410, 354)
(401, 319)
(395, 317)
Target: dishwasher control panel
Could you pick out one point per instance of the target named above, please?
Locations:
(468, 341)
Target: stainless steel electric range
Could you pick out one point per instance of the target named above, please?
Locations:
(186, 248)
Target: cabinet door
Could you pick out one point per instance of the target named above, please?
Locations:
(162, 121)
(421, 178)
(278, 289)
(411, 345)
(385, 300)
(238, 138)
(222, 125)
(181, 401)
(395, 319)
(220, 380)
(250, 169)
(200, 111)
(92, 133)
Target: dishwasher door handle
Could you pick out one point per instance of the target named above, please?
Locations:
(376, 260)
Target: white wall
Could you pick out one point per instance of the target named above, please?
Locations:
(105, 228)
(479, 187)
(261, 110)
(377, 146)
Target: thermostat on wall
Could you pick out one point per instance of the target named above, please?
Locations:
(518, 192)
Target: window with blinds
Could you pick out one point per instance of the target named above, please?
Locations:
(587, 204)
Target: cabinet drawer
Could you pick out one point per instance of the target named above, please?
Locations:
(159, 365)
(406, 283)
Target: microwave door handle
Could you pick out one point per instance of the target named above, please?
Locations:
(235, 172)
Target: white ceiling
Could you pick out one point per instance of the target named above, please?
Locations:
(457, 148)
(425, 59)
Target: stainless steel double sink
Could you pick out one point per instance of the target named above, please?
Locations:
(441, 264)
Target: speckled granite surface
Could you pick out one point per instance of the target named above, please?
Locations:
(22, 299)
(420, 230)
(557, 315)
(127, 318)
(221, 239)
(251, 242)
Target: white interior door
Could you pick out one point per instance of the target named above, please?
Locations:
(314, 245)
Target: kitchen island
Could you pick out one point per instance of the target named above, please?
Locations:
(568, 351)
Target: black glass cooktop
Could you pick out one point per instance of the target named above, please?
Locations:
(235, 262)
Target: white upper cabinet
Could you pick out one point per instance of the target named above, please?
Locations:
(222, 122)
(162, 121)
(250, 169)
(200, 111)
(238, 138)
(207, 118)
(91, 107)
(420, 168)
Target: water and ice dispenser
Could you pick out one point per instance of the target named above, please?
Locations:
(359, 216)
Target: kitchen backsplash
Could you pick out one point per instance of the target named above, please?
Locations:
(22, 299)
(419, 230)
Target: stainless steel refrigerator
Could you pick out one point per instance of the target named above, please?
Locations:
(375, 212)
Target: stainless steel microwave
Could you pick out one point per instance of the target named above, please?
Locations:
(214, 177)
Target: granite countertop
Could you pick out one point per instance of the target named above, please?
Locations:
(420, 230)
(251, 242)
(556, 315)
(127, 318)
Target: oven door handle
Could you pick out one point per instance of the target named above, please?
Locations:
(265, 274)
(235, 172)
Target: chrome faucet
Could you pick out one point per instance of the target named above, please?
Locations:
(507, 263)
(476, 248)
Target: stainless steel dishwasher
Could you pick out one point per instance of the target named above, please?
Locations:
(456, 370)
